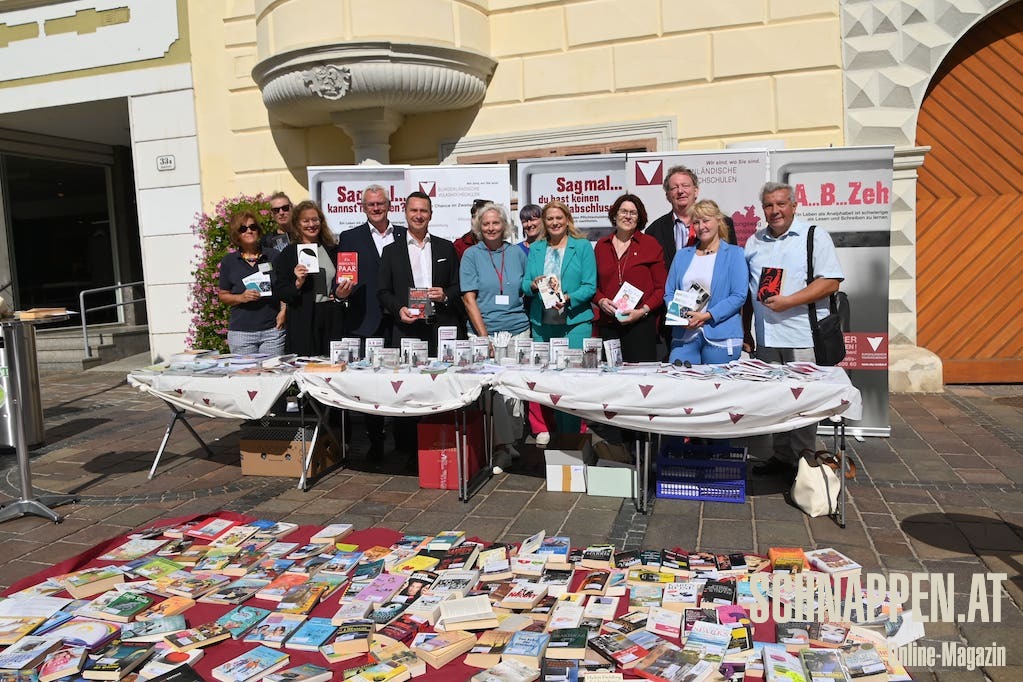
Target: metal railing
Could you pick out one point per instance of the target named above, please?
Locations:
(83, 309)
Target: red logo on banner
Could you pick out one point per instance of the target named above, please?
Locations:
(428, 188)
(865, 351)
(649, 173)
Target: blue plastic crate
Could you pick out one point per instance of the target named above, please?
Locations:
(709, 473)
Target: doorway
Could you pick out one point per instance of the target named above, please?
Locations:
(61, 234)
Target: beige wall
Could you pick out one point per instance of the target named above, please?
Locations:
(725, 71)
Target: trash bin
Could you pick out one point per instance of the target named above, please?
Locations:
(18, 363)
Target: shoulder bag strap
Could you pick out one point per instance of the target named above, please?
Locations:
(833, 299)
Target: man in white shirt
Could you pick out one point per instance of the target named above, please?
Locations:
(364, 316)
(781, 321)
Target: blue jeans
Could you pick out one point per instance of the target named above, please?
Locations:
(699, 352)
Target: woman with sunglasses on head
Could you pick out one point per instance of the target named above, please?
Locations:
(256, 324)
(315, 313)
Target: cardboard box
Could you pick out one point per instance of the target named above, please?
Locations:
(569, 449)
(610, 479)
(279, 452)
(612, 452)
(566, 478)
(438, 458)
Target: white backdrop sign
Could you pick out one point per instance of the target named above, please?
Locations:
(338, 190)
(732, 178)
(452, 189)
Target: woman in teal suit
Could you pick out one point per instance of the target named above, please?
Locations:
(566, 255)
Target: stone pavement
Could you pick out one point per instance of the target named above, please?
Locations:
(942, 495)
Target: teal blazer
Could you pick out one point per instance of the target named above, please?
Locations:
(578, 279)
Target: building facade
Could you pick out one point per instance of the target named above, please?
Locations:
(212, 98)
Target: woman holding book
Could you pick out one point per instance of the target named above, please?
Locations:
(630, 281)
(491, 279)
(560, 281)
(256, 324)
(306, 279)
(712, 333)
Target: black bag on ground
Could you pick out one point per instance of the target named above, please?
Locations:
(828, 337)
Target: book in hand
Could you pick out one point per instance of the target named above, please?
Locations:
(627, 299)
(348, 266)
(309, 257)
(770, 283)
(419, 303)
(116, 660)
(685, 301)
(251, 665)
(550, 292)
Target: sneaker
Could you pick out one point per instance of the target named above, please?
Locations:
(502, 459)
(543, 438)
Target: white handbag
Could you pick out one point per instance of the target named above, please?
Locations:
(816, 487)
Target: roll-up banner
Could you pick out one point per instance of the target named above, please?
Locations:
(452, 189)
(338, 190)
(588, 185)
(732, 178)
(848, 192)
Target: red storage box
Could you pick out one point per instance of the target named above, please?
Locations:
(438, 458)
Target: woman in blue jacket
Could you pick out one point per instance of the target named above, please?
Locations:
(566, 255)
(713, 334)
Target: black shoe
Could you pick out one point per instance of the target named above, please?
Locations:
(774, 467)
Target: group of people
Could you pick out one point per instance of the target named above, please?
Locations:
(483, 284)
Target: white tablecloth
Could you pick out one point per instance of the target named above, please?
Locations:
(686, 407)
(393, 393)
(238, 396)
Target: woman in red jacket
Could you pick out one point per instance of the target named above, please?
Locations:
(630, 257)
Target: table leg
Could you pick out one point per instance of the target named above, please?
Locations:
(460, 457)
(27, 504)
(178, 414)
(322, 420)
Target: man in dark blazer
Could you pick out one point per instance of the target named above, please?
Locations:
(419, 260)
(364, 317)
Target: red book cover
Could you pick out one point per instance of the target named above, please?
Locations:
(348, 266)
(770, 283)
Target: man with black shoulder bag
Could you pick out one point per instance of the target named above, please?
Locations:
(794, 270)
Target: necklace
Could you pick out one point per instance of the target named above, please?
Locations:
(623, 257)
(251, 259)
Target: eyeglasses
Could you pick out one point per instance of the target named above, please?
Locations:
(375, 204)
(628, 214)
(280, 209)
(245, 228)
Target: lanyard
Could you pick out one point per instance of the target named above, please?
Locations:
(500, 273)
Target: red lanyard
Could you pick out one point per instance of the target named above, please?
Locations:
(500, 273)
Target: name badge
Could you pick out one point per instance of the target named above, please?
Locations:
(502, 299)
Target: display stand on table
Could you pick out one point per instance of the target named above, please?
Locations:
(19, 349)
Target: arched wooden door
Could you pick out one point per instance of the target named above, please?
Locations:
(970, 206)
